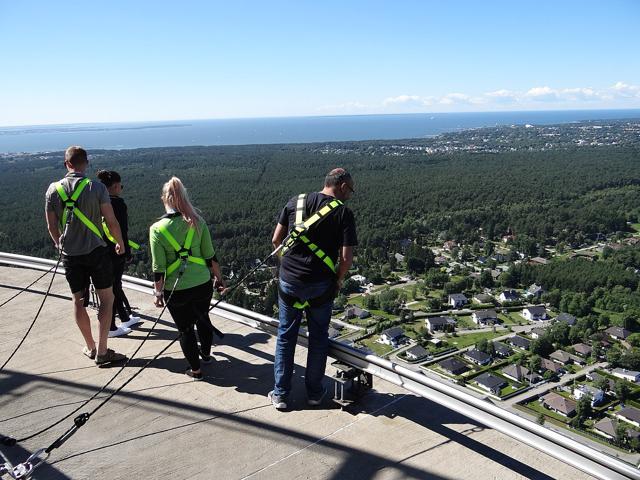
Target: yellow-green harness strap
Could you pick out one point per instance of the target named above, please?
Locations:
(70, 205)
(297, 233)
(132, 244)
(184, 253)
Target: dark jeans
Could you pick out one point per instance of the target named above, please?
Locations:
(318, 318)
(118, 263)
(190, 307)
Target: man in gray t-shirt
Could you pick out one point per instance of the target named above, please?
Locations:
(84, 252)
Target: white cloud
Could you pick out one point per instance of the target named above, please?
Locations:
(625, 90)
(587, 94)
(403, 99)
(542, 94)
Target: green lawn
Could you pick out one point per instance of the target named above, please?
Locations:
(377, 348)
(512, 318)
(468, 339)
(465, 322)
(538, 408)
(636, 227)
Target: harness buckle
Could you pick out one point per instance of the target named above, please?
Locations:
(70, 204)
(184, 253)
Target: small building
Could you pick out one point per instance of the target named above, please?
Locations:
(333, 332)
(559, 404)
(517, 373)
(359, 279)
(482, 298)
(477, 357)
(501, 350)
(606, 427)
(519, 342)
(534, 291)
(566, 318)
(449, 245)
(597, 395)
(582, 349)
(356, 312)
(537, 332)
(393, 336)
(561, 357)
(416, 353)
(596, 378)
(453, 366)
(630, 415)
(435, 324)
(617, 333)
(546, 364)
(508, 296)
(538, 261)
(535, 313)
(623, 373)
(457, 300)
(490, 383)
(484, 317)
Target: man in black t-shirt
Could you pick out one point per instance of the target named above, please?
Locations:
(311, 273)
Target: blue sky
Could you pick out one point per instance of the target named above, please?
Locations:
(73, 62)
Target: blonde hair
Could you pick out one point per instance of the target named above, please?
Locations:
(174, 195)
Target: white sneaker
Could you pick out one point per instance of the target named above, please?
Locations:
(121, 330)
(133, 320)
(279, 402)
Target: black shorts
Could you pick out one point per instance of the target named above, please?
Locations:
(95, 266)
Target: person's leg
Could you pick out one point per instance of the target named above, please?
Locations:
(118, 303)
(181, 310)
(203, 322)
(100, 270)
(288, 328)
(82, 318)
(318, 319)
(104, 317)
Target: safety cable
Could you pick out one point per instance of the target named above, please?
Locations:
(61, 239)
(28, 286)
(11, 441)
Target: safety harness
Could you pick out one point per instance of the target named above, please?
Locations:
(297, 233)
(183, 252)
(71, 205)
(132, 244)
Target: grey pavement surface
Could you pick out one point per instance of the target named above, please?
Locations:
(164, 426)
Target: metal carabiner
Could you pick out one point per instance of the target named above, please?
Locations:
(24, 470)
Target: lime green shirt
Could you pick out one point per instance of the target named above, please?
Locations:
(163, 254)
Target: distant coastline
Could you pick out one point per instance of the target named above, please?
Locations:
(130, 135)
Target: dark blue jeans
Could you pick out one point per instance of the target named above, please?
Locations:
(317, 324)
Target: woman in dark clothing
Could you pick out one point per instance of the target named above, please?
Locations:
(113, 182)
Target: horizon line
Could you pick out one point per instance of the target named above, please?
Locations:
(272, 117)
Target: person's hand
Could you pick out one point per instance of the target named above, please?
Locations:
(159, 302)
(338, 286)
(220, 285)
(120, 250)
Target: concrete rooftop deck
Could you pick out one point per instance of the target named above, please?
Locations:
(164, 426)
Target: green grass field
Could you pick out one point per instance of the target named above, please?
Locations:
(469, 339)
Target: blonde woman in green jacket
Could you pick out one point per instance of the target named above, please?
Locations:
(182, 252)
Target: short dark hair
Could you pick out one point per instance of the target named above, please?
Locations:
(109, 177)
(75, 156)
(336, 177)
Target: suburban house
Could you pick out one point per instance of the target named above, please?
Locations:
(393, 336)
(537, 332)
(519, 342)
(538, 261)
(501, 350)
(359, 279)
(566, 318)
(333, 332)
(435, 324)
(519, 373)
(482, 298)
(535, 313)
(607, 428)
(630, 375)
(546, 364)
(630, 415)
(508, 296)
(559, 404)
(353, 312)
(477, 357)
(597, 395)
(596, 377)
(561, 356)
(534, 291)
(416, 353)
(484, 317)
(489, 382)
(449, 245)
(617, 333)
(457, 300)
(453, 366)
(582, 349)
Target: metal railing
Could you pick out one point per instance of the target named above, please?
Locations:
(555, 444)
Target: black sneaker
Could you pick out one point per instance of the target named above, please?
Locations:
(314, 402)
(195, 376)
(206, 359)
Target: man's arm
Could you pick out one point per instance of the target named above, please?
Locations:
(346, 259)
(278, 235)
(114, 227)
(54, 227)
